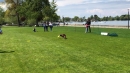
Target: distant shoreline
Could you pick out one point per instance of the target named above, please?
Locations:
(123, 24)
(95, 26)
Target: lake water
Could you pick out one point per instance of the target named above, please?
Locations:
(111, 23)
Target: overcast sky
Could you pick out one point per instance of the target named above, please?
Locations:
(1, 0)
(71, 8)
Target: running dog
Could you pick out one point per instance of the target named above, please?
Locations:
(63, 36)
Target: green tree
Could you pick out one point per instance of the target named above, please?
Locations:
(110, 18)
(12, 7)
(76, 18)
(32, 9)
(1, 16)
(96, 18)
(54, 16)
(38, 10)
(117, 18)
(92, 17)
(84, 18)
(105, 18)
(122, 17)
(67, 19)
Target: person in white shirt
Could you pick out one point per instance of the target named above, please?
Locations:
(51, 26)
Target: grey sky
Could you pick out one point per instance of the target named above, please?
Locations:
(71, 8)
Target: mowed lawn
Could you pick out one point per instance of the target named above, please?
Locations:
(25, 51)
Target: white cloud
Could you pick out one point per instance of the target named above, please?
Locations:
(58, 10)
(95, 11)
(90, 7)
(69, 2)
(3, 6)
(50, 0)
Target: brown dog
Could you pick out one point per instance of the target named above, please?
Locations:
(63, 36)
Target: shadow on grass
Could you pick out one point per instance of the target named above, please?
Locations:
(1, 51)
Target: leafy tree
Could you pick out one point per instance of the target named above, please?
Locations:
(54, 16)
(38, 10)
(49, 12)
(96, 18)
(12, 7)
(122, 17)
(84, 18)
(126, 17)
(76, 18)
(27, 9)
(91, 17)
(67, 19)
(1, 12)
(110, 18)
(32, 9)
(117, 18)
(1, 16)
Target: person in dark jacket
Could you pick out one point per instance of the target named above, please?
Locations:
(88, 23)
(44, 26)
(47, 24)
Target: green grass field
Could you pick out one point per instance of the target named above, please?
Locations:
(24, 51)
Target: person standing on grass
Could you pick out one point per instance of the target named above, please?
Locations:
(34, 29)
(88, 23)
(47, 24)
(0, 31)
(50, 25)
(44, 26)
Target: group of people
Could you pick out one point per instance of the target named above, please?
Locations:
(46, 25)
(49, 24)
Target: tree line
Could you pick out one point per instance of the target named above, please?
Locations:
(97, 18)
